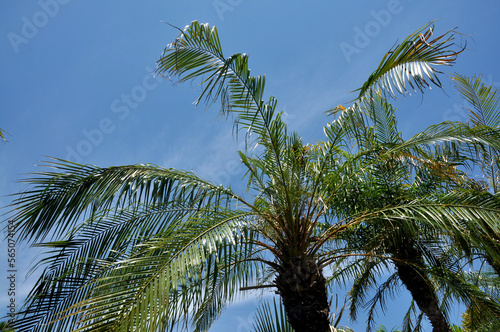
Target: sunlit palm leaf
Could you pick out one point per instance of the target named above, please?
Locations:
(197, 53)
(59, 198)
(124, 205)
(411, 65)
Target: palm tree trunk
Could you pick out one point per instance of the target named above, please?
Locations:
(419, 286)
(302, 288)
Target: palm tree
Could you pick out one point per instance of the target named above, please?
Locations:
(146, 248)
(484, 112)
(417, 250)
(407, 241)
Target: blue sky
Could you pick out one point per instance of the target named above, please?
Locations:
(77, 83)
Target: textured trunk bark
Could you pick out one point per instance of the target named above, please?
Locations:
(419, 287)
(302, 288)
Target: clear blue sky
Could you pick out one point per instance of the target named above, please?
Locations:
(76, 83)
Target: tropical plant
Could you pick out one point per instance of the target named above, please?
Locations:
(416, 249)
(484, 112)
(145, 248)
(419, 251)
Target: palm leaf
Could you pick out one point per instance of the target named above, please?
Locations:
(124, 207)
(59, 198)
(197, 53)
(271, 318)
(484, 99)
(411, 65)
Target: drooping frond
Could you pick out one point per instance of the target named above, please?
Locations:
(99, 216)
(411, 65)
(59, 198)
(197, 53)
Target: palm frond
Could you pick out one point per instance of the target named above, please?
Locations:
(485, 112)
(411, 65)
(197, 53)
(166, 279)
(484, 99)
(59, 198)
(271, 318)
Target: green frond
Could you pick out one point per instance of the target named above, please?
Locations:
(411, 65)
(197, 53)
(485, 112)
(58, 199)
(408, 324)
(484, 99)
(123, 206)
(387, 288)
(165, 280)
(459, 136)
(271, 318)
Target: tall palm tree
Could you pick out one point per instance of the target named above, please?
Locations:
(413, 174)
(399, 178)
(146, 248)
